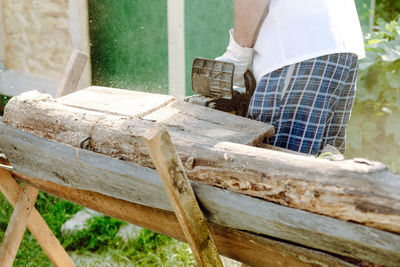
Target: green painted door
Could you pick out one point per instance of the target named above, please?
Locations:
(129, 44)
(129, 40)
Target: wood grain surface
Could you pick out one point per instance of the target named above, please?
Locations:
(82, 169)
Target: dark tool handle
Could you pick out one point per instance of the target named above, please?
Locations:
(250, 83)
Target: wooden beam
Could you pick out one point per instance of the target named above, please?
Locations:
(73, 73)
(181, 196)
(36, 225)
(82, 169)
(17, 224)
(176, 48)
(352, 190)
(242, 246)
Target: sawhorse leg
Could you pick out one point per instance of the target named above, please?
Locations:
(35, 223)
(17, 225)
(182, 197)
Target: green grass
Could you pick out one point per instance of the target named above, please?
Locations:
(98, 245)
(29, 253)
(149, 249)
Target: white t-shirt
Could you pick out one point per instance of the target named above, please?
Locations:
(297, 30)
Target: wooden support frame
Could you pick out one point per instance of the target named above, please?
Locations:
(17, 224)
(26, 197)
(141, 185)
(242, 246)
(181, 195)
(36, 225)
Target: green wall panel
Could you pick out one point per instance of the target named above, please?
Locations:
(363, 9)
(129, 44)
(207, 23)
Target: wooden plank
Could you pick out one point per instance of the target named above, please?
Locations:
(36, 225)
(60, 163)
(353, 190)
(73, 73)
(181, 196)
(204, 121)
(239, 245)
(17, 224)
(121, 131)
(116, 101)
(176, 48)
(195, 119)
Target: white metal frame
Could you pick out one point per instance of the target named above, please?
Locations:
(176, 47)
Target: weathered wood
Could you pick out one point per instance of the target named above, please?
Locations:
(73, 73)
(181, 196)
(36, 225)
(354, 190)
(17, 224)
(118, 136)
(199, 120)
(179, 115)
(82, 169)
(244, 247)
(116, 101)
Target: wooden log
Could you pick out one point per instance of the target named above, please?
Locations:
(242, 246)
(17, 225)
(36, 225)
(352, 190)
(82, 169)
(181, 196)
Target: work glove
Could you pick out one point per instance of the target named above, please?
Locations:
(242, 57)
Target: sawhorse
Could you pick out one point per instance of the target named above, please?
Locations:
(23, 199)
(25, 215)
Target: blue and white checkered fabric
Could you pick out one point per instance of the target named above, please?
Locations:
(309, 102)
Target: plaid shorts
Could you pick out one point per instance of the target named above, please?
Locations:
(309, 102)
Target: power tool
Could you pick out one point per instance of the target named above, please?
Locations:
(212, 81)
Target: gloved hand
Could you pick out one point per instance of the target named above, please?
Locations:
(242, 57)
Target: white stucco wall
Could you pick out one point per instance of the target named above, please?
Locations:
(39, 36)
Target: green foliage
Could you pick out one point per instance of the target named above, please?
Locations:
(3, 101)
(30, 254)
(149, 249)
(374, 129)
(55, 211)
(379, 72)
(387, 9)
(99, 233)
(98, 244)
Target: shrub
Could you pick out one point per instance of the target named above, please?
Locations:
(374, 129)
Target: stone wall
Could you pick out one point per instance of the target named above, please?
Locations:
(39, 36)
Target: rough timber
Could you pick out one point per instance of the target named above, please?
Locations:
(356, 190)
